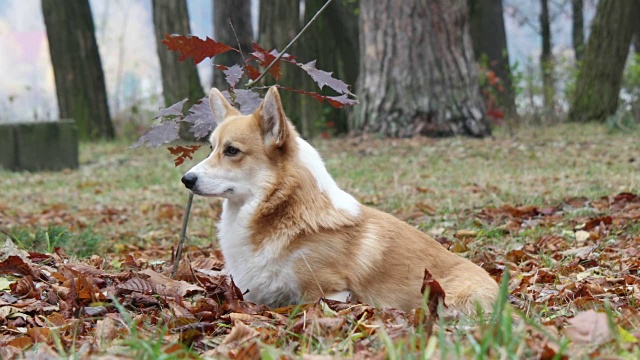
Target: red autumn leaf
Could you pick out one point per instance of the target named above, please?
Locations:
(436, 293)
(15, 265)
(194, 47)
(495, 114)
(593, 223)
(492, 78)
(436, 296)
(253, 72)
(265, 58)
(182, 153)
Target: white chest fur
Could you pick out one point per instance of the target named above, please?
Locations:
(268, 276)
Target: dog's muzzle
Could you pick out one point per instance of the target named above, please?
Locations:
(189, 180)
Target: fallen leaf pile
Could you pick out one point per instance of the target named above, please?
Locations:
(576, 276)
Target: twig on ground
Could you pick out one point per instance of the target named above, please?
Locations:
(183, 236)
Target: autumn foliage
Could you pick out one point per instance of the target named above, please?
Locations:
(245, 100)
(85, 305)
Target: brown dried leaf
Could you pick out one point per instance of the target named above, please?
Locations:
(21, 342)
(168, 286)
(138, 285)
(106, 329)
(239, 334)
(588, 327)
(436, 296)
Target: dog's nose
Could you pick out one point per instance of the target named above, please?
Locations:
(189, 180)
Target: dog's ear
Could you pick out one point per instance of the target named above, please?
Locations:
(273, 123)
(220, 107)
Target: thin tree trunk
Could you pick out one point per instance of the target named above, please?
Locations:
(279, 23)
(598, 85)
(418, 74)
(179, 79)
(339, 23)
(577, 33)
(490, 42)
(77, 68)
(239, 13)
(636, 35)
(546, 58)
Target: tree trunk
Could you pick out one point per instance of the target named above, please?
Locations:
(279, 23)
(418, 74)
(546, 58)
(486, 25)
(80, 87)
(179, 79)
(339, 23)
(239, 13)
(598, 85)
(636, 36)
(577, 33)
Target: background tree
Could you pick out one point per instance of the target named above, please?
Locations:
(338, 23)
(179, 78)
(598, 84)
(239, 13)
(279, 22)
(546, 57)
(490, 44)
(577, 28)
(77, 68)
(636, 35)
(418, 74)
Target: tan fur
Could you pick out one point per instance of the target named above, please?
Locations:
(378, 258)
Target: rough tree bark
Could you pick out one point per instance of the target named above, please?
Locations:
(279, 22)
(546, 57)
(77, 68)
(577, 31)
(486, 25)
(598, 85)
(339, 23)
(179, 79)
(239, 13)
(418, 74)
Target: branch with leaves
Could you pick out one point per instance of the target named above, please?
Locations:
(257, 65)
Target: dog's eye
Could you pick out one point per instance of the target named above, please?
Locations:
(231, 151)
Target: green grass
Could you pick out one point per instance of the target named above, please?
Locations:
(81, 244)
(534, 167)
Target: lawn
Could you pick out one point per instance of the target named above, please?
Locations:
(556, 208)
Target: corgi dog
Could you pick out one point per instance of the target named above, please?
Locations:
(290, 235)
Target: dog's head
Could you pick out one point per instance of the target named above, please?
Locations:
(246, 150)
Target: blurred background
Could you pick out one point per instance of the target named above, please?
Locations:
(526, 59)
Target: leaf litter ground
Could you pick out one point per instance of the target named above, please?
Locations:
(559, 212)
